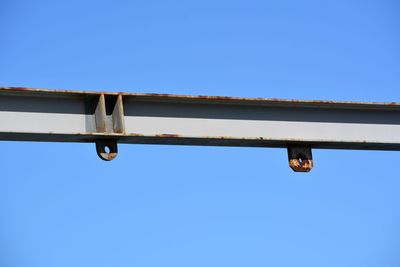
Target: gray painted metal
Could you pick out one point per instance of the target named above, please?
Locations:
(80, 116)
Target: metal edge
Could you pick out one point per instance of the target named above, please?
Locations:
(210, 99)
(197, 141)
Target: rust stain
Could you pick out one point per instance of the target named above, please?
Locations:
(167, 135)
(135, 135)
(301, 166)
(221, 97)
(154, 94)
(108, 156)
(18, 88)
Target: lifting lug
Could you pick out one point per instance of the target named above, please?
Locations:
(300, 158)
(107, 149)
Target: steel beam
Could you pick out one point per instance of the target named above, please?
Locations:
(108, 118)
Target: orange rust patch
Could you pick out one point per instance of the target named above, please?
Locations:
(303, 166)
(135, 134)
(167, 135)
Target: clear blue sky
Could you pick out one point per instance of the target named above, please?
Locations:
(200, 206)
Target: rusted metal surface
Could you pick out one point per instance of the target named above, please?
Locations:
(168, 135)
(300, 158)
(108, 118)
(218, 99)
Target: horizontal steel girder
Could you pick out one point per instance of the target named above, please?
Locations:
(28, 114)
